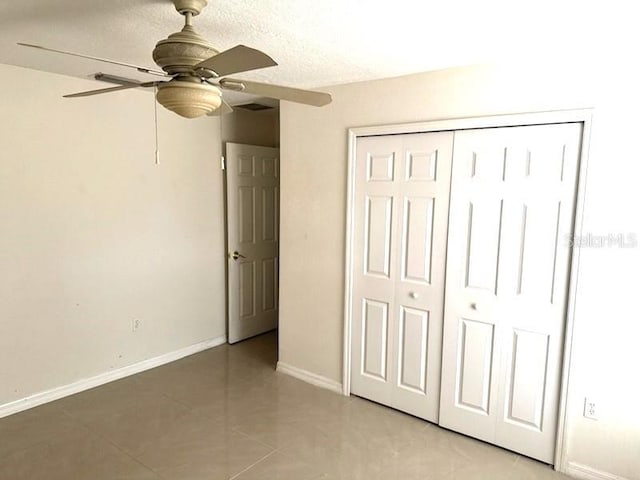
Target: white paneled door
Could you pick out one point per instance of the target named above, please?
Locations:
(401, 207)
(512, 204)
(252, 229)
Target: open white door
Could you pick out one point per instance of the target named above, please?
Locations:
(252, 229)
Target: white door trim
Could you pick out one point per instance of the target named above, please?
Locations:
(564, 116)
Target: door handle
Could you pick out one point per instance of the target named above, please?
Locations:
(236, 255)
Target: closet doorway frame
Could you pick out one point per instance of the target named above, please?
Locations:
(583, 116)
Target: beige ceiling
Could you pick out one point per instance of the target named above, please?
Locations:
(316, 43)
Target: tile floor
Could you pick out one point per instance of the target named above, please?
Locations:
(226, 414)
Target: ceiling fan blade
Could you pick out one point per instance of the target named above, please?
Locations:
(81, 55)
(236, 59)
(308, 97)
(111, 89)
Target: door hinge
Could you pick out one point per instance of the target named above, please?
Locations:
(223, 163)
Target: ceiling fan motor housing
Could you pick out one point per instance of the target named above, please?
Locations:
(182, 50)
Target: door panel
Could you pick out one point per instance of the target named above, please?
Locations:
(377, 248)
(512, 202)
(421, 166)
(475, 362)
(526, 378)
(375, 339)
(246, 214)
(417, 236)
(483, 244)
(401, 204)
(247, 289)
(380, 167)
(252, 216)
(270, 214)
(413, 347)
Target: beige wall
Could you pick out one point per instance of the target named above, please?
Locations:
(261, 127)
(313, 207)
(93, 234)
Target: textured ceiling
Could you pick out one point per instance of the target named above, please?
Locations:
(316, 43)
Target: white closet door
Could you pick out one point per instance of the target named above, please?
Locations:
(512, 202)
(401, 204)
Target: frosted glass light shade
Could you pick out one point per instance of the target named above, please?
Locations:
(189, 99)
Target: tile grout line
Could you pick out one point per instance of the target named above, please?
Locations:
(152, 470)
(110, 442)
(179, 402)
(244, 434)
(253, 465)
(24, 449)
(29, 446)
(191, 410)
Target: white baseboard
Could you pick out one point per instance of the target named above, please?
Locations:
(312, 378)
(92, 382)
(585, 472)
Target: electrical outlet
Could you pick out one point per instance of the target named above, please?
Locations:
(135, 325)
(590, 410)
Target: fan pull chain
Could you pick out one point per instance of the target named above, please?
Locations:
(222, 159)
(155, 116)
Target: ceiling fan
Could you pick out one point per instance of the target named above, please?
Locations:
(198, 72)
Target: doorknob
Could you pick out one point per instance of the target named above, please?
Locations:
(414, 295)
(474, 306)
(236, 255)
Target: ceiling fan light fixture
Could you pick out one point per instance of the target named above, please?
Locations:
(189, 99)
